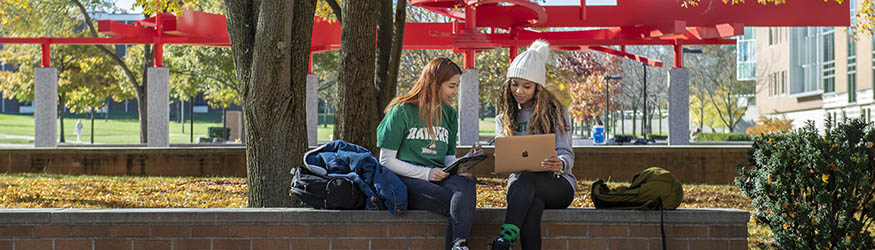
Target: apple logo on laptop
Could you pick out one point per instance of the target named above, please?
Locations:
(526, 153)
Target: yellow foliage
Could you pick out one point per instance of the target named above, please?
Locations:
(767, 125)
(150, 7)
(47, 191)
(324, 11)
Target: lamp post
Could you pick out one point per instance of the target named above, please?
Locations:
(695, 51)
(643, 95)
(608, 101)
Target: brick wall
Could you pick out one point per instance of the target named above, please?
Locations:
(277, 228)
(690, 164)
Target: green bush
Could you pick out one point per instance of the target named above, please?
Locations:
(723, 137)
(217, 132)
(329, 118)
(814, 191)
(627, 135)
(738, 137)
(657, 136)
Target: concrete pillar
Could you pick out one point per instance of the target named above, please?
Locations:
(312, 106)
(469, 107)
(158, 91)
(45, 107)
(678, 106)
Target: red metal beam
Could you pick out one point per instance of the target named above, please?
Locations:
(100, 40)
(716, 31)
(118, 29)
(678, 56)
(47, 54)
(201, 24)
(648, 61)
(638, 12)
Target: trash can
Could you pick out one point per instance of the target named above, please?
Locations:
(598, 134)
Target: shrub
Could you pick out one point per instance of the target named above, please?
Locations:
(219, 132)
(326, 119)
(738, 137)
(630, 136)
(723, 137)
(770, 125)
(814, 191)
(657, 136)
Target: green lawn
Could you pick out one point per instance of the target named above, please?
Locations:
(119, 128)
(123, 128)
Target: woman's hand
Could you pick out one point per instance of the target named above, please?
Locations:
(437, 174)
(552, 163)
(475, 150)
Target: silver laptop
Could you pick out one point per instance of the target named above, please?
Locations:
(523, 153)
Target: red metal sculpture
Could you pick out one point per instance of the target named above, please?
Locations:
(510, 24)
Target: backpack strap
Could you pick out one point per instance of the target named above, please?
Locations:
(661, 221)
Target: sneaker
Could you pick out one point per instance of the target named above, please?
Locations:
(460, 245)
(500, 244)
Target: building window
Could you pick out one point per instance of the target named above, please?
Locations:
(783, 82)
(774, 79)
(852, 87)
(771, 36)
(828, 59)
(746, 56)
(864, 114)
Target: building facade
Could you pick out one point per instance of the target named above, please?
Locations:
(814, 73)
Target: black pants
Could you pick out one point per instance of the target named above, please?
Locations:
(454, 197)
(528, 196)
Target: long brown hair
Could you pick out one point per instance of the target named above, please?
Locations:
(426, 91)
(547, 113)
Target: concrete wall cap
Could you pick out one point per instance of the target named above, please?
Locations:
(307, 215)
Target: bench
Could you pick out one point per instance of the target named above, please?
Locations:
(302, 228)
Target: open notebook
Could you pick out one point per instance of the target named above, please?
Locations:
(464, 163)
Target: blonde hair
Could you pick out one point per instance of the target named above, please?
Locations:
(425, 93)
(547, 113)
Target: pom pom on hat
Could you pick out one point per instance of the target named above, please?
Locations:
(529, 65)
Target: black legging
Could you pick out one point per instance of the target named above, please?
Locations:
(528, 196)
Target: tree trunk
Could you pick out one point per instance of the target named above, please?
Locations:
(142, 113)
(622, 118)
(62, 99)
(92, 125)
(141, 88)
(356, 113)
(384, 49)
(388, 86)
(271, 50)
(143, 95)
(634, 120)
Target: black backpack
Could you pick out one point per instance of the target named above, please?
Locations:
(324, 192)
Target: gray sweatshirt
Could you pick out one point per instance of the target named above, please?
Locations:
(563, 145)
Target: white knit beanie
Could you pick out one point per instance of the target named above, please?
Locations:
(529, 65)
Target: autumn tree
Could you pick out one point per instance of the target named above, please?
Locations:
(270, 44)
(86, 77)
(368, 77)
(587, 85)
(714, 72)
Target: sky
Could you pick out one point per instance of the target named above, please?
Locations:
(126, 4)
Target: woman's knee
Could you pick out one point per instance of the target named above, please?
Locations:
(525, 179)
(461, 183)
